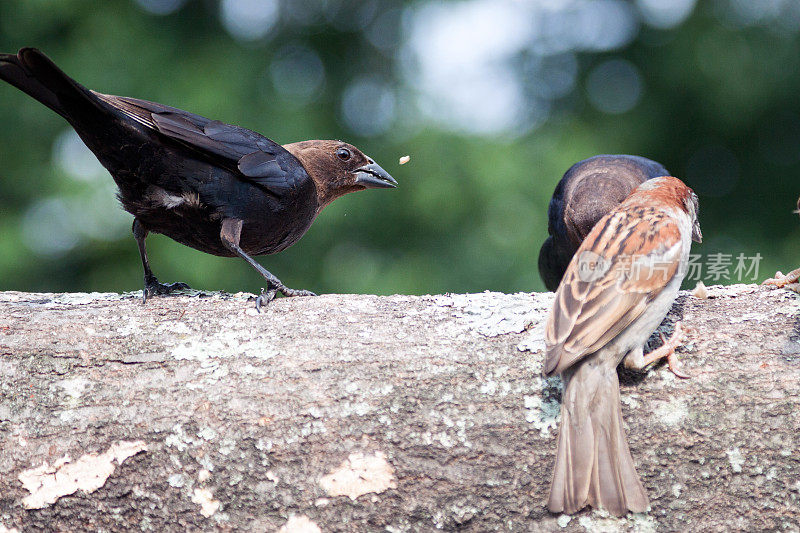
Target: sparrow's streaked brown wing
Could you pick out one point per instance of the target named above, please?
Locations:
(638, 253)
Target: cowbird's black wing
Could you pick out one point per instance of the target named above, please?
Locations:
(257, 159)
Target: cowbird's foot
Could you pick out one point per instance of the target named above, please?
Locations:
(286, 291)
(638, 361)
(267, 296)
(153, 288)
(264, 298)
(789, 281)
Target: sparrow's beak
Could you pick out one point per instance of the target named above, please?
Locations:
(697, 235)
(372, 176)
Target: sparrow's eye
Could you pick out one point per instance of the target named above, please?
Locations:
(343, 154)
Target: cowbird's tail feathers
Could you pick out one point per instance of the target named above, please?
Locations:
(33, 73)
(593, 463)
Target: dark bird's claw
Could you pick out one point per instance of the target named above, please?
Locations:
(286, 291)
(267, 296)
(153, 288)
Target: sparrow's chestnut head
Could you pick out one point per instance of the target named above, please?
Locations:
(673, 190)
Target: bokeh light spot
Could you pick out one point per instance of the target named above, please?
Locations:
(385, 31)
(614, 86)
(368, 107)
(47, 228)
(551, 76)
(76, 159)
(297, 74)
(602, 25)
(249, 20)
(663, 14)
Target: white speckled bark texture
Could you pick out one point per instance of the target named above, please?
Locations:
(370, 413)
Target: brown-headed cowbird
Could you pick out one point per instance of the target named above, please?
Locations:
(618, 287)
(589, 189)
(218, 188)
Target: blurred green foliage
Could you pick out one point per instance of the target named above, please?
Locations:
(719, 107)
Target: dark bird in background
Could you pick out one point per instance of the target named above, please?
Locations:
(587, 192)
(618, 288)
(789, 281)
(218, 188)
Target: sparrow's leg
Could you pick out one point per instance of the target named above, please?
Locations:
(789, 281)
(230, 234)
(636, 359)
(151, 284)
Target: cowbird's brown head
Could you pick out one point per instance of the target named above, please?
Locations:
(338, 168)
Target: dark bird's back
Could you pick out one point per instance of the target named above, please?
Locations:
(588, 191)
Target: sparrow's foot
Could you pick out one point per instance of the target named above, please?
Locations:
(638, 361)
(789, 281)
(153, 288)
(267, 295)
(667, 349)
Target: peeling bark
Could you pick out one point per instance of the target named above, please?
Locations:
(367, 413)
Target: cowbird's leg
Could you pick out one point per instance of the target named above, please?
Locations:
(789, 281)
(230, 234)
(638, 361)
(151, 284)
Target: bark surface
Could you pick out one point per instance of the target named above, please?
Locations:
(368, 413)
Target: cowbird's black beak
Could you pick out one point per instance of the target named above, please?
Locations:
(372, 176)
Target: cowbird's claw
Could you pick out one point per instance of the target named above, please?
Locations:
(153, 288)
(286, 291)
(265, 297)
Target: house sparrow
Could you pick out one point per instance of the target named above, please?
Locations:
(589, 189)
(617, 289)
(218, 188)
(789, 281)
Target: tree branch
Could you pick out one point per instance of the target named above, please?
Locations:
(367, 413)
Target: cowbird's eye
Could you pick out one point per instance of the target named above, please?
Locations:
(343, 154)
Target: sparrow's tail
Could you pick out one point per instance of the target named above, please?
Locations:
(33, 73)
(593, 463)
